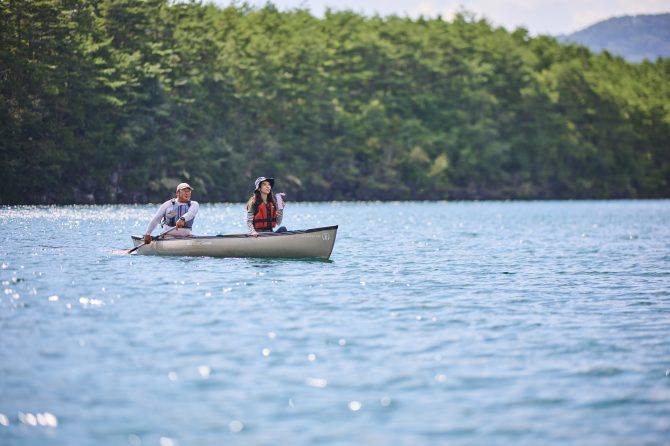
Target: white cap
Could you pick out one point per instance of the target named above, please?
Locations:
(183, 186)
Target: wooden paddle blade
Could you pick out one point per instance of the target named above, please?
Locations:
(132, 250)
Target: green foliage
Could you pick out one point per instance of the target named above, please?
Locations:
(119, 100)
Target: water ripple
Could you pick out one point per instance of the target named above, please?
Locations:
(463, 323)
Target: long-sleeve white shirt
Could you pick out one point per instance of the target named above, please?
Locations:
(190, 215)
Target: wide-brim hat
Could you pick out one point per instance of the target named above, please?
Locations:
(259, 180)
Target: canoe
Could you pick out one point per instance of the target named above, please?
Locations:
(302, 244)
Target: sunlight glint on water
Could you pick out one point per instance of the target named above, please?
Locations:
(434, 323)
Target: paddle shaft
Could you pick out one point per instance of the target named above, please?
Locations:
(130, 251)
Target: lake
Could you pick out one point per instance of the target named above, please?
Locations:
(464, 323)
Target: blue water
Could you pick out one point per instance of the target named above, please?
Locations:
(485, 323)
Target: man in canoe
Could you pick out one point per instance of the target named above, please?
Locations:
(178, 212)
(264, 210)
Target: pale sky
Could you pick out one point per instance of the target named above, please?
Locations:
(538, 16)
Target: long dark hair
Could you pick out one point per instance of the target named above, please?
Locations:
(255, 200)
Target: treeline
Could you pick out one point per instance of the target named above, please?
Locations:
(105, 101)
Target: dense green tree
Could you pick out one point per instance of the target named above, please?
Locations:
(118, 100)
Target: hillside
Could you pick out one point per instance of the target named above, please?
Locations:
(635, 38)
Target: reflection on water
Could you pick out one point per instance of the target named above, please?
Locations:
(433, 323)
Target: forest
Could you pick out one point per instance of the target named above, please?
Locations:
(117, 101)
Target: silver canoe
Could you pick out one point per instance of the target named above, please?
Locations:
(309, 243)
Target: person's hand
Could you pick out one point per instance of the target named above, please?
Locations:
(280, 200)
(180, 223)
(147, 238)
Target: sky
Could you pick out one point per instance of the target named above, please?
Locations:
(537, 16)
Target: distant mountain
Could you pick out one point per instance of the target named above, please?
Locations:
(635, 38)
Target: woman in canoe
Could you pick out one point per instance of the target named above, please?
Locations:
(264, 210)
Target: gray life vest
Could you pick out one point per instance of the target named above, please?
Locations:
(175, 213)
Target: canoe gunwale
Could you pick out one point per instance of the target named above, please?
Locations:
(260, 234)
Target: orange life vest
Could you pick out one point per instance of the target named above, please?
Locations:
(266, 217)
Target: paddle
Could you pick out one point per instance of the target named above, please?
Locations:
(130, 251)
